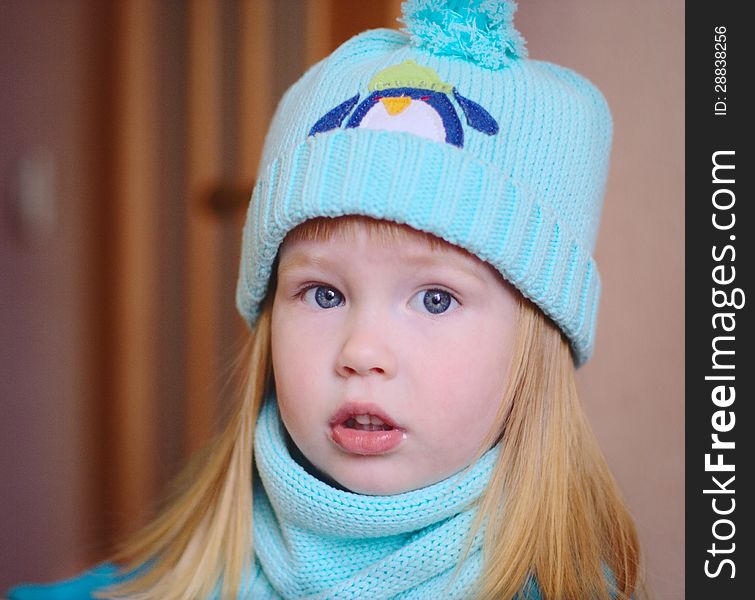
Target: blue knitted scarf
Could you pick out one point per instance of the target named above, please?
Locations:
(312, 540)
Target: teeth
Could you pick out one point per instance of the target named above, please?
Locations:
(368, 420)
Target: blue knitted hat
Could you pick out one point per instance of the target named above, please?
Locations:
(448, 128)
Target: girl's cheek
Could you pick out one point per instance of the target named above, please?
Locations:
(305, 348)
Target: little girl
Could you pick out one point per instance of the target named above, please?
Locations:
(417, 275)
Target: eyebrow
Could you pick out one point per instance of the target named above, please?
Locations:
(303, 259)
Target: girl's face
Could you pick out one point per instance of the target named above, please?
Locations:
(390, 360)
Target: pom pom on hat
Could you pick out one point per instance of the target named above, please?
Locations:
(480, 31)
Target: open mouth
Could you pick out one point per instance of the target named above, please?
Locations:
(366, 423)
(364, 429)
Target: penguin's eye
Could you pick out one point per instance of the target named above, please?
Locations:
(425, 98)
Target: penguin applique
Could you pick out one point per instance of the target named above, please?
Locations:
(410, 97)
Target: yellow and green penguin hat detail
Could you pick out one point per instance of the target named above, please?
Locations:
(413, 98)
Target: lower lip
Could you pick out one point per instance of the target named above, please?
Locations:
(362, 442)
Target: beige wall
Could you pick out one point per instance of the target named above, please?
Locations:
(47, 327)
(633, 386)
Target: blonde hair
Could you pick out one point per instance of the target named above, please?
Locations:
(552, 511)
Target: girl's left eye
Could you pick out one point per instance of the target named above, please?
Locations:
(435, 301)
(323, 295)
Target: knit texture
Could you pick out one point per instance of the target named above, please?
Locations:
(312, 540)
(518, 179)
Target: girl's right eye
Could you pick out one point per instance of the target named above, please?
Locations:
(323, 295)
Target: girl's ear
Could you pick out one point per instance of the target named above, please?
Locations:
(334, 118)
(476, 115)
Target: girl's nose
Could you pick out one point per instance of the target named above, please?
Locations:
(365, 353)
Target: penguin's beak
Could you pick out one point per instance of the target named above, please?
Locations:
(396, 105)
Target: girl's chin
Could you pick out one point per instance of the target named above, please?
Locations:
(376, 480)
(366, 475)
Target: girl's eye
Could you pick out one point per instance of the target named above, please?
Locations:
(436, 301)
(325, 296)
